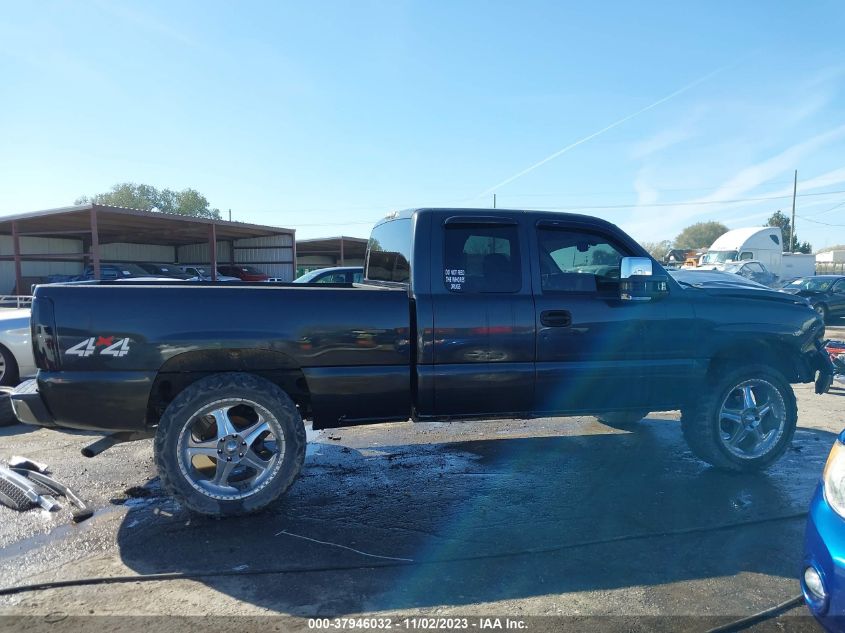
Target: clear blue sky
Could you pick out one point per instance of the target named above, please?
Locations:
(323, 116)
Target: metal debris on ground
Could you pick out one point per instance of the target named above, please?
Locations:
(25, 485)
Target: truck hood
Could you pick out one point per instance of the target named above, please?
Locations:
(723, 284)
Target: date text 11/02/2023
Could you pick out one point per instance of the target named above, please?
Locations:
(417, 623)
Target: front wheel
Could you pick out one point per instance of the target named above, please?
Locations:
(230, 444)
(744, 421)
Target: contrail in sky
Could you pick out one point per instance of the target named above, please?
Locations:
(651, 106)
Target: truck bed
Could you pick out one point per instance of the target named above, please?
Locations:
(348, 342)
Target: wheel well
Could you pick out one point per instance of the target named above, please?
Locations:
(778, 356)
(184, 369)
(10, 357)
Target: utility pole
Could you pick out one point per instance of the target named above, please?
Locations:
(494, 200)
(792, 224)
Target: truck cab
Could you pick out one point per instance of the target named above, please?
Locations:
(763, 244)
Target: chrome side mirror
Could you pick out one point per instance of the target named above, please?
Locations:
(630, 266)
(638, 281)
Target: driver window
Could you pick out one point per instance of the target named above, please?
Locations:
(746, 255)
(577, 261)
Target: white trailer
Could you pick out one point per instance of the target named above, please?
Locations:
(764, 244)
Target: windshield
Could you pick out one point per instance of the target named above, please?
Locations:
(718, 257)
(304, 279)
(810, 283)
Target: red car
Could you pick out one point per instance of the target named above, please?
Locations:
(243, 272)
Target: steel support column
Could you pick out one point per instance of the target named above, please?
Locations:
(16, 245)
(212, 246)
(95, 245)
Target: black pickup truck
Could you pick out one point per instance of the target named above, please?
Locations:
(462, 314)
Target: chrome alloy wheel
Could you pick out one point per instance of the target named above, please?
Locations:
(752, 418)
(231, 449)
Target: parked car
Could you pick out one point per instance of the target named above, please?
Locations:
(243, 272)
(337, 275)
(463, 314)
(164, 270)
(824, 544)
(751, 269)
(16, 359)
(826, 293)
(114, 271)
(203, 273)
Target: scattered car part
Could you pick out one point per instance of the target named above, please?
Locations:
(25, 463)
(27, 487)
(105, 443)
(81, 510)
(12, 496)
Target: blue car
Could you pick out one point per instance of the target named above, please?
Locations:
(823, 573)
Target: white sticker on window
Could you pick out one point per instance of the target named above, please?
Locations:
(455, 278)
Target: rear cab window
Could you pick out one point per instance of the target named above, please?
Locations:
(389, 252)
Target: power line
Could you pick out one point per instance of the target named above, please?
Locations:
(687, 203)
(819, 221)
(833, 208)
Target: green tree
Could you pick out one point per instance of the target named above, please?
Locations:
(780, 219)
(148, 198)
(700, 234)
(658, 250)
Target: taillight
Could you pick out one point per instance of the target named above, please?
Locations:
(45, 342)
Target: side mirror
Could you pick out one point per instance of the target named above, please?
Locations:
(638, 281)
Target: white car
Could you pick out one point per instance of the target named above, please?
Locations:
(16, 361)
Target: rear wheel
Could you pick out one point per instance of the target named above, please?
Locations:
(8, 368)
(230, 444)
(622, 419)
(744, 421)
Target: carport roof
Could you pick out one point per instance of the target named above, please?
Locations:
(121, 224)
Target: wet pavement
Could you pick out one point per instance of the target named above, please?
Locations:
(543, 517)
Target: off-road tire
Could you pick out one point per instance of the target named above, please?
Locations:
(212, 388)
(622, 419)
(7, 414)
(701, 425)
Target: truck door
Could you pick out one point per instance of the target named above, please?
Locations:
(483, 316)
(596, 352)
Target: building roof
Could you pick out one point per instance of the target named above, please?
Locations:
(121, 224)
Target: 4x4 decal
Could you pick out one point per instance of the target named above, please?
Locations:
(91, 346)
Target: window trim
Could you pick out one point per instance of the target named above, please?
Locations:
(554, 225)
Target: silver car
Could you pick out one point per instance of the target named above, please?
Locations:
(16, 361)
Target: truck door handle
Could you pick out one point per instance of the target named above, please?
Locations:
(556, 318)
